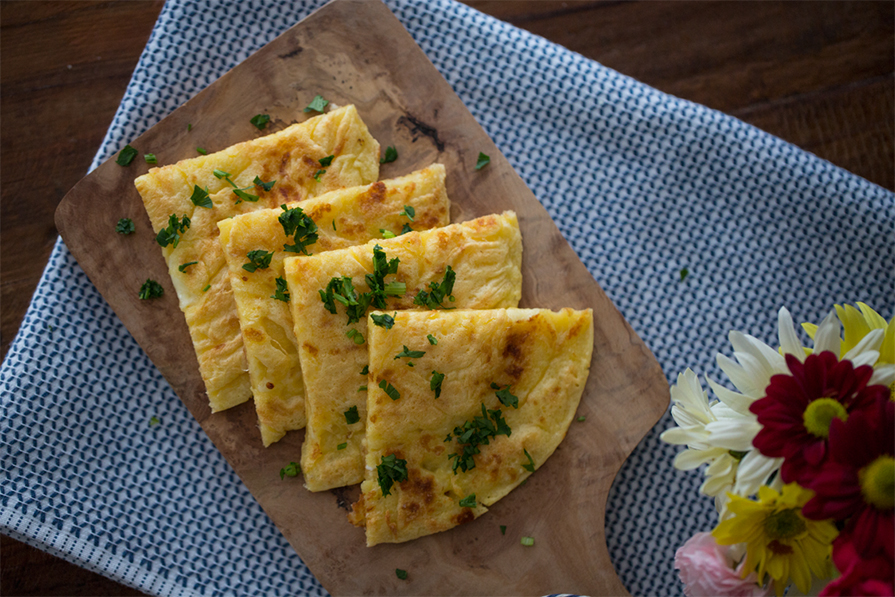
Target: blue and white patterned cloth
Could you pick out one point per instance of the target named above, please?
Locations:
(640, 183)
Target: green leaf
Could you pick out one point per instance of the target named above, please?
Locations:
(243, 196)
(318, 174)
(317, 104)
(528, 541)
(405, 229)
(150, 290)
(267, 186)
(390, 470)
(202, 150)
(297, 223)
(258, 259)
(200, 197)
(355, 336)
(325, 162)
(206, 288)
(435, 383)
(389, 389)
(153, 421)
(124, 226)
(468, 501)
(413, 354)
(409, 212)
(684, 273)
(438, 291)
(530, 465)
(581, 419)
(482, 161)
(474, 433)
(170, 235)
(150, 158)
(291, 470)
(365, 370)
(505, 396)
(260, 121)
(219, 174)
(503, 529)
(391, 154)
(342, 446)
(402, 574)
(126, 156)
(351, 415)
(387, 233)
(182, 267)
(384, 321)
(282, 291)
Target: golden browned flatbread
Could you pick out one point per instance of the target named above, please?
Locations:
(484, 255)
(501, 386)
(343, 218)
(289, 157)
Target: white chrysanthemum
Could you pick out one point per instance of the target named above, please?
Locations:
(720, 433)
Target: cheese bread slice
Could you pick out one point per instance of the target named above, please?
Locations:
(485, 256)
(291, 158)
(343, 218)
(501, 386)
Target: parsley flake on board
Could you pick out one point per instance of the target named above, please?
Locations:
(432, 339)
(170, 235)
(153, 421)
(342, 446)
(437, 292)
(503, 529)
(474, 433)
(389, 389)
(200, 197)
(581, 419)
(391, 154)
(189, 127)
(684, 273)
(530, 465)
(126, 156)
(150, 158)
(412, 354)
(201, 150)
(151, 289)
(402, 574)
(297, 223)
(468, 501)
(506, 398)
(528, 541)
(390, 470)
(267, 186)
(351, 416)
(384, 321)
(317, 104)
(282, 291)
(258, 259)
(125, 226)
(483, 161)
(325, 162)
(260, 121)
(291, 470)
(435, 383)
(409, 212)
(355, 336)
(182, 267)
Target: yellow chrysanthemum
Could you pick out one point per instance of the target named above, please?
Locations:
(780, 542)
(857, 324)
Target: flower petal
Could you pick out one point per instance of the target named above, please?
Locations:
(733, 434)
(828, 337)
(786, 332)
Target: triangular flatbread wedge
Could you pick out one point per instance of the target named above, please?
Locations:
(291, 158)
(513, 377)
(485, 256)
(343, 218)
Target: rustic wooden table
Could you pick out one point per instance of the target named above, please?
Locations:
(819, 75)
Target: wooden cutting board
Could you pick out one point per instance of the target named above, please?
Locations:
(357, 52)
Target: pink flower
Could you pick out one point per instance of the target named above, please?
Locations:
(706, 569)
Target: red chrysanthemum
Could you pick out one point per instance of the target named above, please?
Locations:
(797, 409)
(874, 576)
(858, 480)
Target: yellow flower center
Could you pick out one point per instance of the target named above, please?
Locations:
(820, 413)
(892, 391)
(878, 482)
(785, 524)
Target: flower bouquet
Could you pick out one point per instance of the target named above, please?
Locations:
(801, 461)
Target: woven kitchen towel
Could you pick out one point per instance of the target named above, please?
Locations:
(89, 474)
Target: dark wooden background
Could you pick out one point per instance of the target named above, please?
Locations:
(818, 74)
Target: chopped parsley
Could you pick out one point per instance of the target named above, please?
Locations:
(411, 354)
(387, 233)
(125, 226)
(405, 229)
(260, 121)
(297, 223)
(342, 290)
(258, 259)
(317, 104)
(342, 446)
(243, 196)
(435, 383)
(503, 529)
(437, 292)
(432, 339)
(282, 291)
(505, 396)
(384, 321)
(267, 186)
(409, 212)
(318, 174)
(200, 197)
(581, 419)
(365, 370)
(355, 336)
(126, 156)
(170, 235)
(528, 541)
(391, 154)
(153, 421)
(325, 162)
(402, 574)
(189, 127)
(182, 267)
(376, 281)
(468, 501)
(150, 290)
(201, 150)
(482, 161)
(291, 470)
(351, 416)
(362, 389)
(389, 389)
(392, 469)
(530, 465)
(684, 273)
(475, 433)
(150, 158)
(206, 288)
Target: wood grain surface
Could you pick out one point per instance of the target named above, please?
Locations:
(817, 75)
